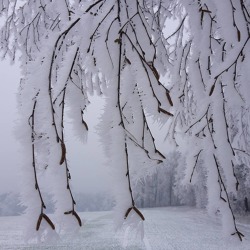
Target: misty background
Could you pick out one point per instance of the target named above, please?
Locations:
(87, 162)
(88, 171)
(91, 179)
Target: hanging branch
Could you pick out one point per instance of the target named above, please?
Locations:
(223, 188)
(60, 139)
(63, 144)
(107, 38)
(199, 66)
(210, 122)
(93, 5)
(98, 26)
(133, 207)
(147, 128)
(237, 181)
(243, 151)
(172, 129)
(234, 23)
(198, 121)
(196, 161)
(144, 63)
(218, 58)
(64, 160)
(225, 118)
(184, 68)
(145, 150)
(228, 67)
(178, 29)
(61, 36)
(33, 133)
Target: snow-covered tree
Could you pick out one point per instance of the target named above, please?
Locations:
(118, 49)
(163, 187)
(241, 199)
(210, 86)
(70, 49)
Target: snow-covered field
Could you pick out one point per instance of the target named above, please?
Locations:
(177, 228)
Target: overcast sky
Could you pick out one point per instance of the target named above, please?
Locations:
(8, 114)
(86, 161)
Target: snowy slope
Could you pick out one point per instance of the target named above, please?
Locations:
(177, 228)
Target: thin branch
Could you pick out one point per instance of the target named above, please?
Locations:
(93, 5)
(42, 214)
(237, 232)
(228, 67)
(196, 161)
(125, 136)
(182, 22)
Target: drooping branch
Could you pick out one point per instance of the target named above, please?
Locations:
(62, 140)
(227, 67)
(122, 124)
(60, 37)
(225, 118)
(178, 29)
(64, 160)
(226, 199)
(146, 128)
(93, 5)
(146, 65)
(37, 187)
(204, 107)
(196, 161)
(98, 26)
(199, 120)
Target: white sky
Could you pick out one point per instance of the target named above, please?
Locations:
(8, 145)
(86, 161)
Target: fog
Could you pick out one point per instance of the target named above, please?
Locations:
(86, 161)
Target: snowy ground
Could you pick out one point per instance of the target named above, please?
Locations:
(177, 228)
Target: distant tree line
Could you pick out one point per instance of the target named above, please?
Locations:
(10, 203)
(159, 189)
(165, 188)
